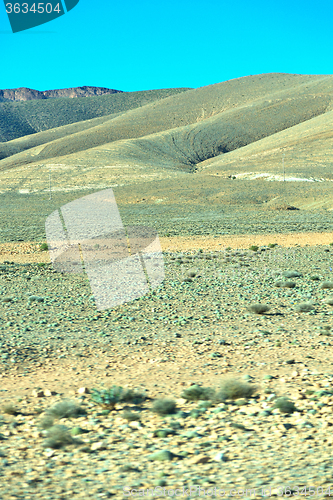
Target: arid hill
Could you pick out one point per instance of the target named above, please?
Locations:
(224, 145)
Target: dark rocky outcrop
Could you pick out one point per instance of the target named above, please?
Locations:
(25, 94)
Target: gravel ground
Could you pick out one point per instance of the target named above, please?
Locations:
(195, 329)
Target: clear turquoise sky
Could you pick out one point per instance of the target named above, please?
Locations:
(129, 45)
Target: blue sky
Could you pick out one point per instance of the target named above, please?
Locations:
(147, 45)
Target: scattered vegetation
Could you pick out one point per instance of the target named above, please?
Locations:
(254, 248)
(130, 416)
(326, 330)
(44, 246)
(305, 307)
(259, 308)
(66, 409)
(234, 389)
(292, 274)
(197, 393)
(10, 409)
(133, 396)
(46, 422)
(285, 284)
(35, 298)
(327, 285)
(285, 405)
(272, 245)
(164, 407)
(58, 436)
(108, 398)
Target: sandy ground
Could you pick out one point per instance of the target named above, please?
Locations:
(29, 251)
(66, 377)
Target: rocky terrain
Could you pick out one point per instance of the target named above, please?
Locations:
(200, 328)
(226, 367)
(26, 94)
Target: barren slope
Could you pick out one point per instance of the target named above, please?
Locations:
(24, 118)
(203, 122)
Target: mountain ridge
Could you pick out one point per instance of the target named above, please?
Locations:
(27, 94)
(217, 145)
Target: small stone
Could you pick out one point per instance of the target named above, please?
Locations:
(220, 457)
(100, 445)
(47, 392)
(50, 453)
(135, 424)
(199, 459)
(38, 393)
(181, 401)
(83, 390)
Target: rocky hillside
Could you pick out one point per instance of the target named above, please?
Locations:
(25, 94)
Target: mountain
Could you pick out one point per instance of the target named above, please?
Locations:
(190, 127)
(215, 146)
(26, 94)
(22, 118)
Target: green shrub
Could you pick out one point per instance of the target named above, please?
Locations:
(10, 409)
(234, 389)
(315, 278)
(44, 246)
(107, 398)
(57, 437)
(327, 285)
(272, 245)
(164, 407)
(133, 396)
(285, 405)
(305, 307)
(254, 248)
(197, 393)
(46, 422)
(285, 284)
(291, 274)
(130, 416)
(35, 298)
(259, 308)
(7, 299)
(66, 409)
